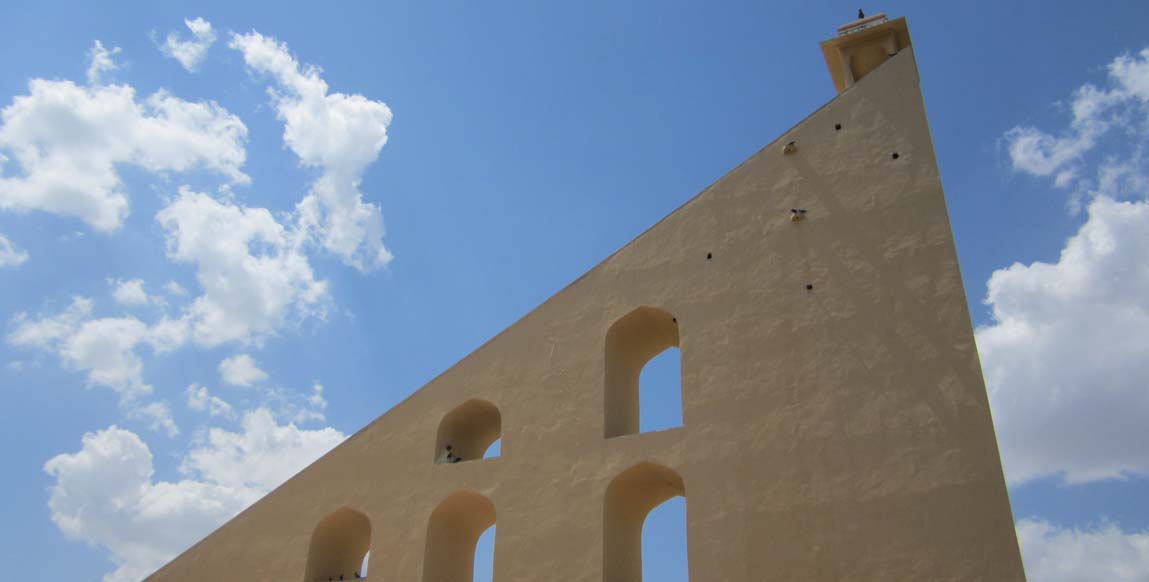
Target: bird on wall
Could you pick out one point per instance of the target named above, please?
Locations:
(861, 14)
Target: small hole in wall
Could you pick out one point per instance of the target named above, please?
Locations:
(809, 287)
(709, 256)
(895, 155)
(837, 127)
(674, 319)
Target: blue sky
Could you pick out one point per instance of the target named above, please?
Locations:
(158, 276)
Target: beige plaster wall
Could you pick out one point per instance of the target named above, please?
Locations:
(837, 433)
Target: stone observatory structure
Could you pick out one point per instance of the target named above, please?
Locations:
(835, 421)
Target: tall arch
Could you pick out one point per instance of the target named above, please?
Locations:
(469, 429)
(452, 534)
(338, 546)
(629, 499)
(631, 342)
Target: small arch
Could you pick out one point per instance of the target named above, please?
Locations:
(485, 555)
(664, 549)
(468, 431)
(631, 342)
(453, 532)
(339, 546)
(630, 497)
(660, 392)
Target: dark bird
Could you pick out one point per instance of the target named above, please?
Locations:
(861, 14)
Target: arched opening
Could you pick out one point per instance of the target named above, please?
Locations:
(453, 534)
(660, 392)
(664, 543)
(467, 432)
(485, 556)
(629, 499)
(339, 547)
(631, 343)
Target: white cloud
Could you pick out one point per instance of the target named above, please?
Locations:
(254, 277)
(168, 334)
(1054, 554)
(45, 332)
(68, 141)
(316, 399)
(173, 288)
(158, 415)
(190, 53)
(104, 349)
(101, 62)
(262, 455)
(1095, 112)
(1066, 357)
(105, 494)
(241, 370)
(1131, 72)
(131, 292)
(200, 399)
(339, 134)
(10, 254)
(295, 406)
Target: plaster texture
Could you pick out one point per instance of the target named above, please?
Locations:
(835, 420)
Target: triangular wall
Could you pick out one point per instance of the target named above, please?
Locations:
(836, 425)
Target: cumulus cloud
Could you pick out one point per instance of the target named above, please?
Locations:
(106, 495)
(1066, 355)
(1095, 112)
(202, 400)
(130, 292)
(10, 254)
(241, 370)
(337, 133)
(168, 334)
(190, 53)
(261, 456)
(68, 141)
(1055, 554)
(103, 348)
(253, 274)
